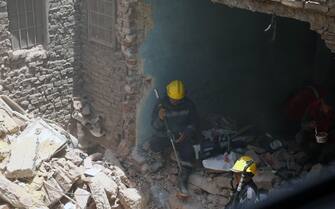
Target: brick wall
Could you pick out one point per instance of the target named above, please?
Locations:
(319, 13)
(41, 79)
(112, 79)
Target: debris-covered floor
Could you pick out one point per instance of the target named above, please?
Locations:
(278, 160)
(42, 166)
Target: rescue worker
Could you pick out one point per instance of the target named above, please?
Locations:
(245, 191)
(181, 116)
(319, 117)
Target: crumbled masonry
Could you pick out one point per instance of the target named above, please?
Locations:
(42, 167)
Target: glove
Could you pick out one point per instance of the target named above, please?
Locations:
(162, 113)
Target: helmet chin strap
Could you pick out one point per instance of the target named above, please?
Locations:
(234, 199)
(240, 184)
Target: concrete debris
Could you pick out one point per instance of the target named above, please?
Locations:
(50, 138)
(14, 194)
(207, 184)
(99, 195)
(76, 156)
(51, 172)
(256, 149)
(5, 206)
(22, 159)
(69, 205)
(92, 171)
(84, 114)
(39, 168)
(107, 183)
(277, 163)
(4, 150)
(12, 116)
(130, 198)
(254, 156)
(82, 196)
(265, 179)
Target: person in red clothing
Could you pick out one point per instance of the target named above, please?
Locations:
(319, 117)
(297, 104)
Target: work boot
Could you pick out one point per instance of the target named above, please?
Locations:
(182, 183)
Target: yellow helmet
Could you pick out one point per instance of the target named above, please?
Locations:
(241, 164)
(176, 90)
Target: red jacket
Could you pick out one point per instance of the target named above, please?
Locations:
(297, 104)
(324, 122)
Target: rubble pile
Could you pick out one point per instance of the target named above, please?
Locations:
(278, 162)
(42, 167)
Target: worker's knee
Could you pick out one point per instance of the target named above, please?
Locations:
(159, 144)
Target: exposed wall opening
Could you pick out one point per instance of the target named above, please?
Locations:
(229, 64)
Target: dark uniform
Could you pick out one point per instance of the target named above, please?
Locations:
(181, 118)
(246, 197)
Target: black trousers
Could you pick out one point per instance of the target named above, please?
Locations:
(184, 149)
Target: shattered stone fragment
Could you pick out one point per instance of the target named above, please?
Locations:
(82, 196)
(76, 156)
(22, 159)
(107, 183)
(130, 198)
(4, 206)
(53, 190)
(14, 194)
(212, 186)
(99, 195)
(265, 179)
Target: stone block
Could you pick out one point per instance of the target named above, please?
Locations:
(293, 3)
(130, 198)
(316, 6)
(14, 194)
(99, 195)
(265, 179)
(82, 196)
(76, 156)
(22, 160)
(5, 206)
(107, 183)
(207, 184)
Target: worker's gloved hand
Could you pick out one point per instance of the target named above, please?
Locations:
(162, 113)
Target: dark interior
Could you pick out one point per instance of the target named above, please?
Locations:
(229, 63)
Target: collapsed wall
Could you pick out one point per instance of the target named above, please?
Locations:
(319, 13)
(41, 78)
(111, 75)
